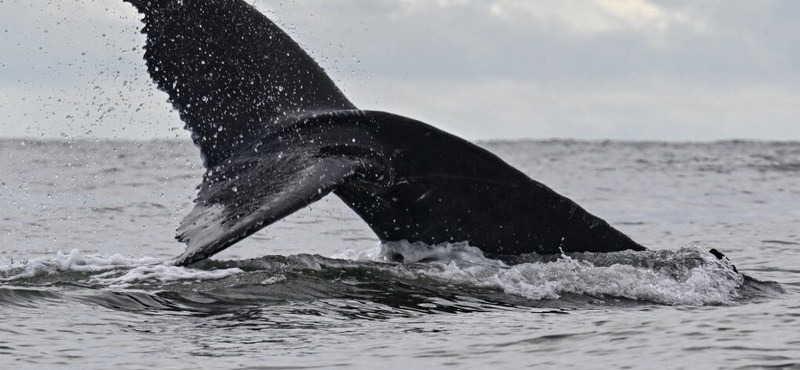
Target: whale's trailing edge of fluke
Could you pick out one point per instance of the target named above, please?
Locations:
(276, 134)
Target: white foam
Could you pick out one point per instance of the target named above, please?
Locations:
(417, 252)
(710, 282)
(110, 268)
(72, 261)
(161, 274)
(685, 277)
(372, 254)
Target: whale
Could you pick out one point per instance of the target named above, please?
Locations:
(276, 134)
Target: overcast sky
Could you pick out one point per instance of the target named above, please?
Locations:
(482, 69)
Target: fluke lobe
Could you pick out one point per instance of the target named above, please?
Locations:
(276, 134)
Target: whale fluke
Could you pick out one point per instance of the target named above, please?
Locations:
(276, 134)
(231, 73)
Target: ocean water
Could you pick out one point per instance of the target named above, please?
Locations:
(86, 236)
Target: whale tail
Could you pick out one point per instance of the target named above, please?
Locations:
(231, 73)
(254, 189)
(276, 134)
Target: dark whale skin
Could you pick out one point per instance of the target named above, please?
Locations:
(276, 134)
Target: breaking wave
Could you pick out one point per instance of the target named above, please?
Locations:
(396, 276)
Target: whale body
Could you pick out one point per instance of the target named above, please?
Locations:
(276, 134)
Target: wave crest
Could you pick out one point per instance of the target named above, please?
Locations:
(450, 272)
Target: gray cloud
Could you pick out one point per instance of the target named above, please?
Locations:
(626, 69)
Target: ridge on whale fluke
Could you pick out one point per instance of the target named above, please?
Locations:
(276, 134)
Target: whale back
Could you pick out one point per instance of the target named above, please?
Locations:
(232, 74)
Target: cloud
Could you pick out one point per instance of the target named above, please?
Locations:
(678, 70)
(634, 69)
(702, 41)
(590, 17)
(75, 69)
(512, 109)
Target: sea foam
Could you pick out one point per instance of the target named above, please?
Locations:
(689, 276)
(117, 271)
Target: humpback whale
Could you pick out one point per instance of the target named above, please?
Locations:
(276, 134)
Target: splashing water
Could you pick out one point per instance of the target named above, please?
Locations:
(688, 276)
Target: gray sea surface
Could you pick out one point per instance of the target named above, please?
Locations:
(86, 237)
